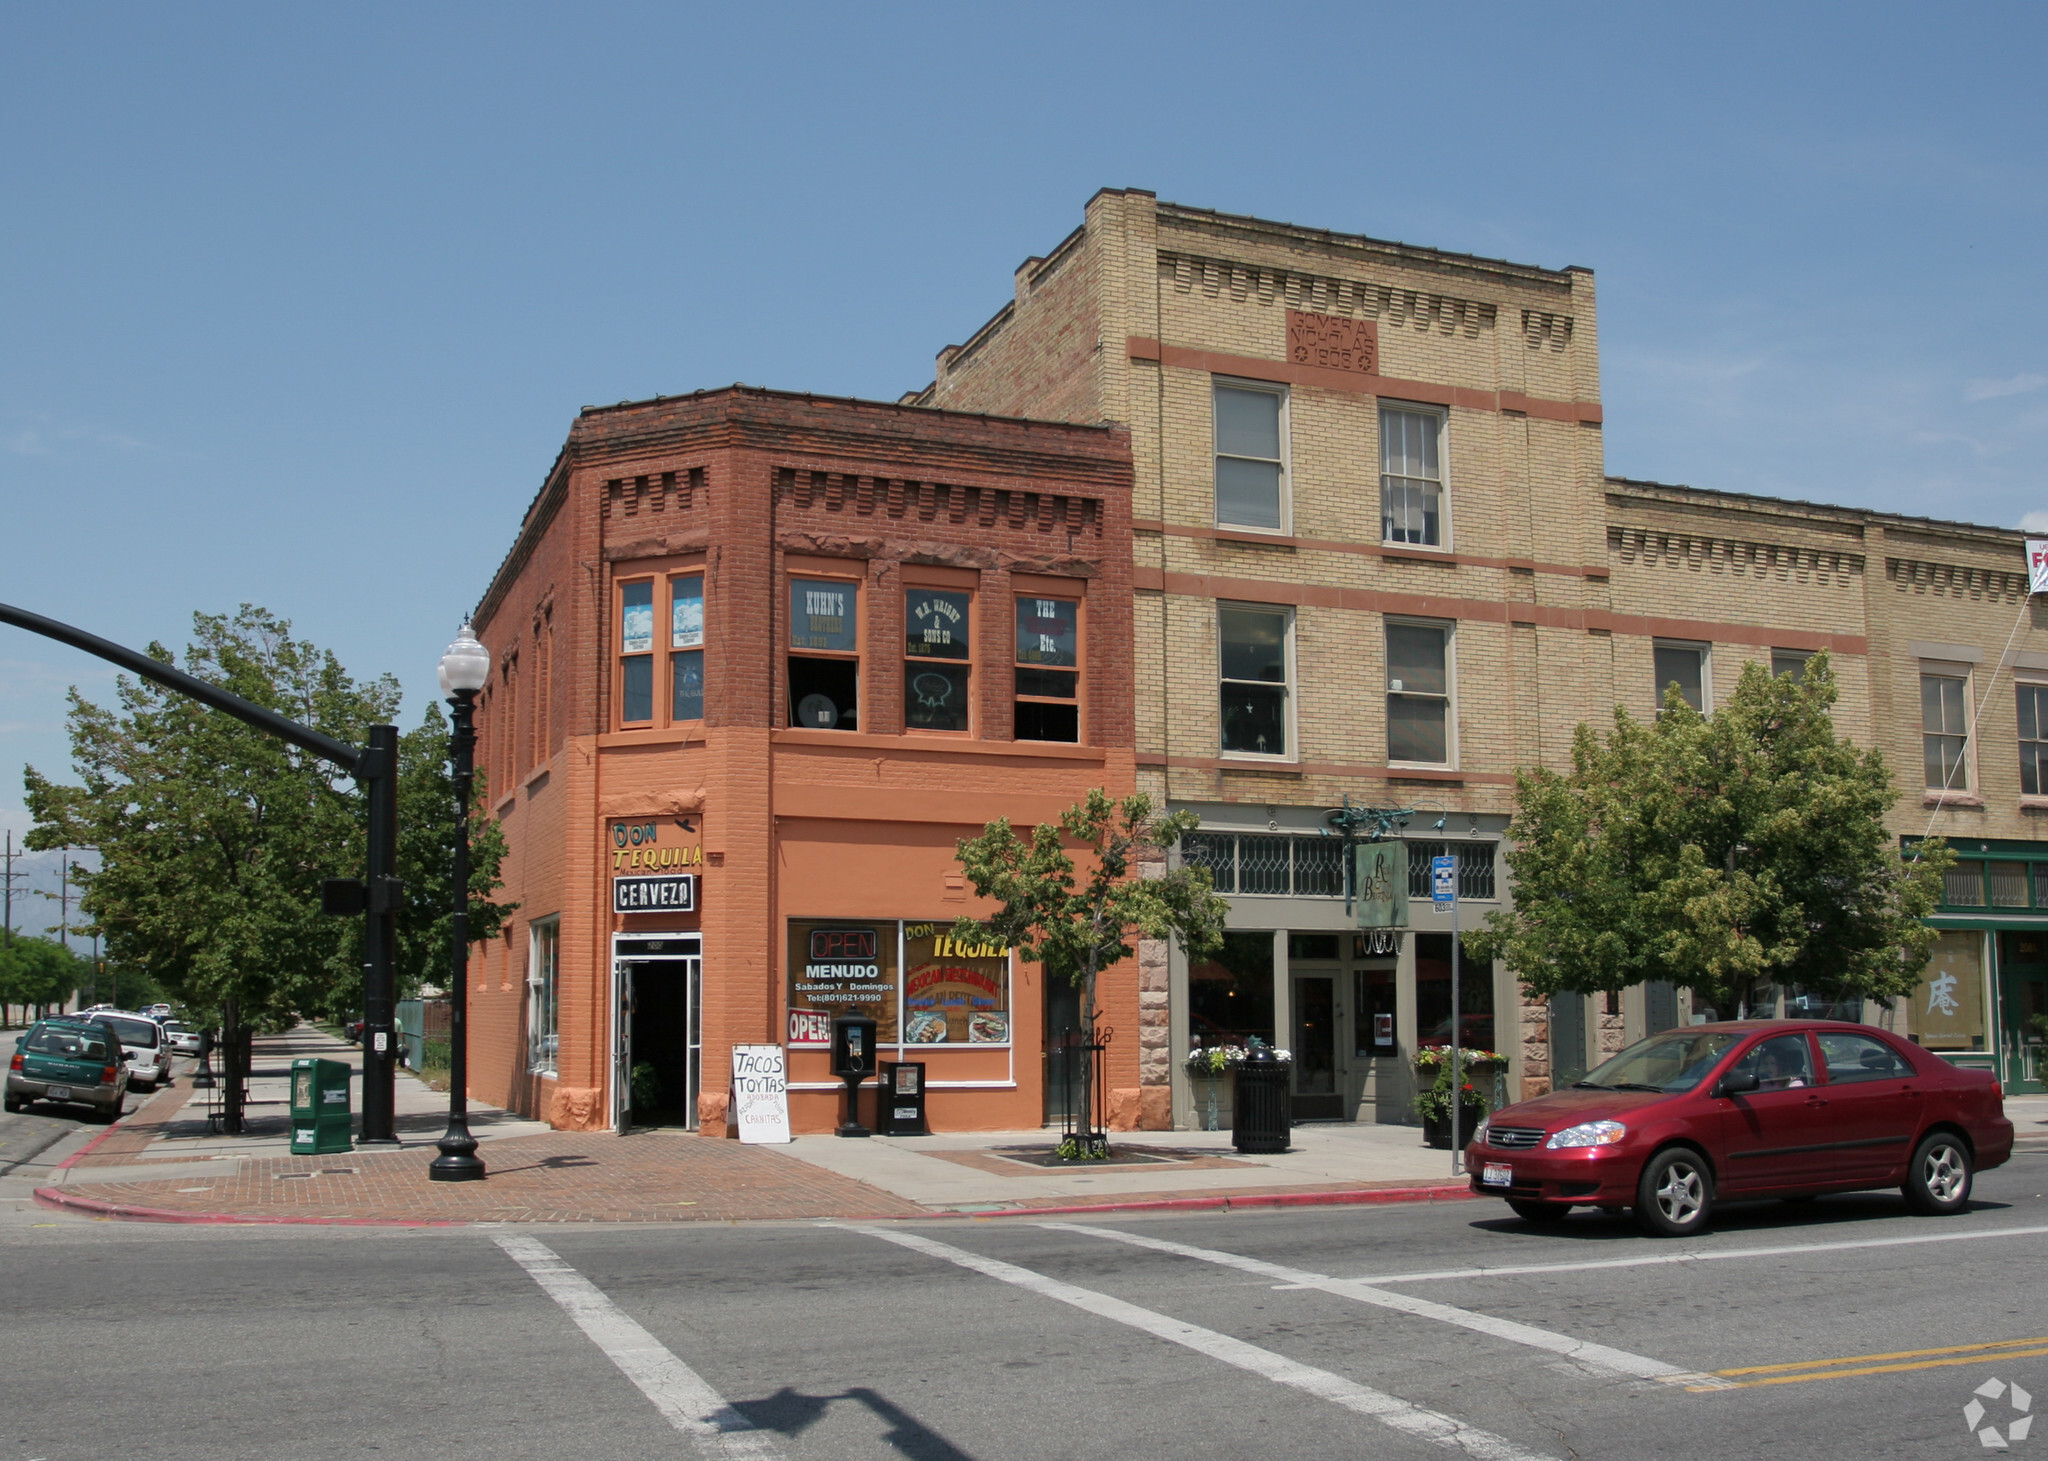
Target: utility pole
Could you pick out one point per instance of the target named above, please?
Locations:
(10, 876)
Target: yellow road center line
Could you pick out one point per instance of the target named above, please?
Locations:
(1904, 1354)
(1967, 1359)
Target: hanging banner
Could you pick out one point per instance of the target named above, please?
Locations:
(760, 1093)
(1382, 885)
(2037, 565)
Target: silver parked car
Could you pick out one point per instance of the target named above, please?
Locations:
(183, 1038)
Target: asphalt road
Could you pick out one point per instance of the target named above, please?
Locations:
(1188, 1337)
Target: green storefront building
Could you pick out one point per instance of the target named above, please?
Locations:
(1984, 1000)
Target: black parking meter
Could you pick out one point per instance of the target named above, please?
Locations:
(853, 1061)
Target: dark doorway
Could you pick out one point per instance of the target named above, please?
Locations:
(1316, 1097)
(662, 1080)
(1062, 1013)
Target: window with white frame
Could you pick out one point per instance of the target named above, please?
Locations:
(1418, 693)
(1683, 665)
(2033, 709)
(1411, 476)
(1945, 730)
(1251, 458)
(1256, 654)
(543, 961)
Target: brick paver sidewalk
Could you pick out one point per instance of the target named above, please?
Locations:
(559, 1177)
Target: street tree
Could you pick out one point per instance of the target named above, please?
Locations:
(214, 838)
(1723, 853)
(37, 973)
(1076, 924)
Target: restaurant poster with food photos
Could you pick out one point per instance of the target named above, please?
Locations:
(955, 991)
(841, 966)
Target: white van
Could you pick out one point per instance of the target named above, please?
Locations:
(145, 1045)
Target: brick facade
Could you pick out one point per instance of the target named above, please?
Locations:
(745, 488)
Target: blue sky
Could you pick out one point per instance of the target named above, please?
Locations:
(299, 301)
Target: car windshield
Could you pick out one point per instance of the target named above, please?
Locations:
(68, 1044)
(134, 1032)
(1676, 1060)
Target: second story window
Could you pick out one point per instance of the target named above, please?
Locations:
(2033, 740)
(824, 653)
(1411, 476)
(636, 652)
(1419, 693)
(938, 664)
(1254, 665)
(1251, 469)
(686, 647)
(1944, 727)
(1048, 670)
(1683, 665)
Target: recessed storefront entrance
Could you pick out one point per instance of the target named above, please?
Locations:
(657, 1030)
(2023, 1008)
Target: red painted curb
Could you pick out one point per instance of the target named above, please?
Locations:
(1355, 1198)
(62, 1201)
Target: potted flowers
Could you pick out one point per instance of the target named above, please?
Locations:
(1209, 1067)
(1434, 1095)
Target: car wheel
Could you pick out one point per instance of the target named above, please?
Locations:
(113, 1112)
(1538, 1212)
(1675, 1197)
(1938, 1181)
(14, 1105)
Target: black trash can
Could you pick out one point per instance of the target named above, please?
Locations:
(1261, 1121)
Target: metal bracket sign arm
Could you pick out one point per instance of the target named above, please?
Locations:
(374, 769)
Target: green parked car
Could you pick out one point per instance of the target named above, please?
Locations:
(75, 1060)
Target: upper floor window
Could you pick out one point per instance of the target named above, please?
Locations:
(1683, 665)
(938, 664)
(824, 653)
(1411, 476)
(1251, 466)
(1790, 662)
(1419, 693)
(1944, 730)
(1255, 664)
(2033, 740)
(636, 652)
(686, 646)
(1048, 669)
(667, 608)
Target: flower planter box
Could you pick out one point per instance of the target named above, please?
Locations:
(1213, 1098)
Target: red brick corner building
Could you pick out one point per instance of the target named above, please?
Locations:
(759, 660)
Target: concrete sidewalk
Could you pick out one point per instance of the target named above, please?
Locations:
(163, 1163)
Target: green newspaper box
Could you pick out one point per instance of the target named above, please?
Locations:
(320, 1114)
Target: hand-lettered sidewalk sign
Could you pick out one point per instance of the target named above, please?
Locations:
(760, 1093)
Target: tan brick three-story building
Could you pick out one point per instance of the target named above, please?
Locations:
(1378, 558)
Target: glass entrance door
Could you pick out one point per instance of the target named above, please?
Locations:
(2023, 1010)
(1317, 1093)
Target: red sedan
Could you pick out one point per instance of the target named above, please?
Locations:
(1746, 1109)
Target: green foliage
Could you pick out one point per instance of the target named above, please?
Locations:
(214, 837)
(426, 859)
(1719, 853)
(40, 971)
(1433, 1101)
(1075, 927)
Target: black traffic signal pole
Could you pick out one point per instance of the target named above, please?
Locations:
(375, 770)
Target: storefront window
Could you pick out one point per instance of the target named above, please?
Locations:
(938, 653)
(1376, 1007)
(841, 966)
(1230, 997)
(954, 993)
(1433, 995)
(1947, 1011)
(542, 1002)
(824, 654)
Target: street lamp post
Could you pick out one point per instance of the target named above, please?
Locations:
(465, 669)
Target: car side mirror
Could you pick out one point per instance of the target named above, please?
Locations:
(1736, 1082)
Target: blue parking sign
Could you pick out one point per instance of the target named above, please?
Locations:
(1443, 880)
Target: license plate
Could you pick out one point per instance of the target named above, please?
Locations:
(1497, 1175)
(58, 1093)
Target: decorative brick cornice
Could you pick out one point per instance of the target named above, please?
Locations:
(1955, 580)
(1326, 294)
(1654, 546)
